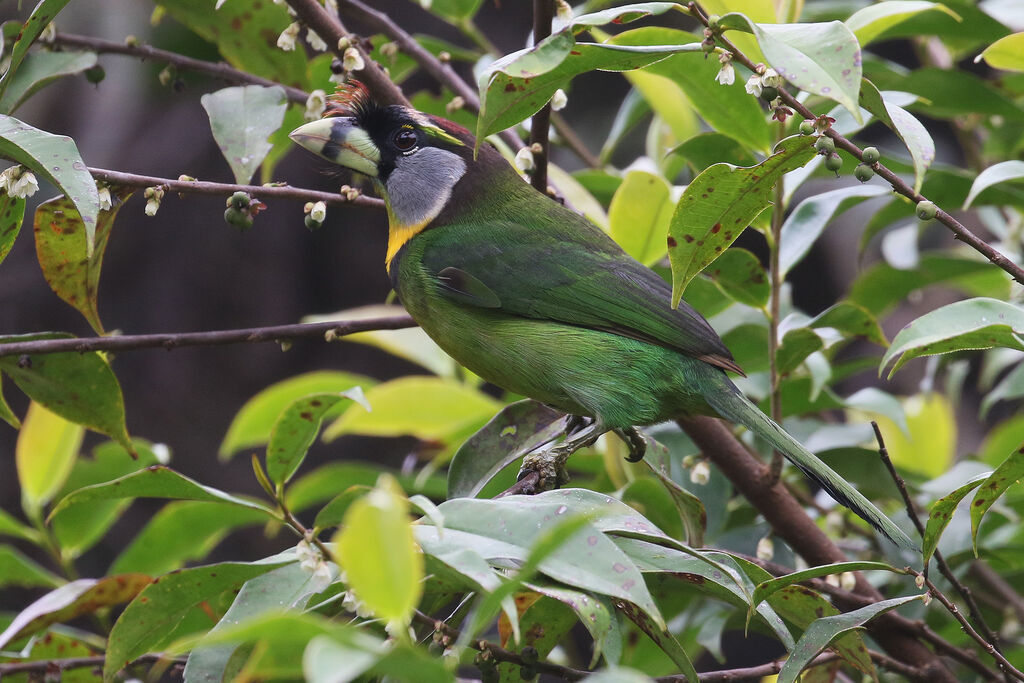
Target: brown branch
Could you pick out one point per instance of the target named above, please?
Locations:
(56, 666)
(756, 673)
(1005, 592)
(146, 52)
(543, 13)
(331, 30)
(791, 523)
(959, 230)
(223, 189)
(277, 333)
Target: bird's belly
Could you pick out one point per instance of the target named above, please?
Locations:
(575, 369)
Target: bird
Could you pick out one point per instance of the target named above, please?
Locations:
(538, 300)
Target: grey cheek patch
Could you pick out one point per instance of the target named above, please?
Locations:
(421, 184)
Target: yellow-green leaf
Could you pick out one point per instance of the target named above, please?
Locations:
(1006, 53)
(929, 444)
(640, 213)
(45, 452)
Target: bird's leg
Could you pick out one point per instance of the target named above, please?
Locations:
(549, 464)
(635, 441)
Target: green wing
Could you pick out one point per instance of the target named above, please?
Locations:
(569, 271)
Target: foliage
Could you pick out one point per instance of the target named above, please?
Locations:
(419, 574)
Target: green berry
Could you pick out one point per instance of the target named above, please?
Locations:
(926, 210)
(529, 654)
(807, 127)
(708, 45)
(824, 145)
(863, 172)
(239, 200)
(312, 223)
(870, 155)
(95, 74)
(527, 673)
(833, 162)
(769, 93)
(713, 21)
(239, 219)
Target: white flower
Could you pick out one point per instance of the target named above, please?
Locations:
(727, 74)
(425, 4)
(701, 473)
(772, 78)
(104, 195)
(766, 549)
(524, 160)
(753, 85)
(18, 182)
(847, 580)
(352, 60)
(318, 212)
(564, 12)
(49, 33)
(455, 104)
(558, 100)
(316, 103)
(315, 41)
(152, 206)
(286, 41)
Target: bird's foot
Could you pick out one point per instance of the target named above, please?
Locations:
(549, 464)
(635, 441)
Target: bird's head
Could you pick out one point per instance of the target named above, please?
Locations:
(415, 159)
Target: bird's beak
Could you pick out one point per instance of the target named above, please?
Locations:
(339, 140)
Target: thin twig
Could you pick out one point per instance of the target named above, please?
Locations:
(527, 485)
(1003, 663)
(56, 666)
(573, 141)
(774, 307)
(225, 189)
(543, 13)
(147, 52)
(960, 231)
(278, 333)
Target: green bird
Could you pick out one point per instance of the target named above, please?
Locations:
(536, 299)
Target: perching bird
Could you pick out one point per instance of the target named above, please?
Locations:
(536, 299)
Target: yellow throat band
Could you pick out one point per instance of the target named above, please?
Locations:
(398, 236)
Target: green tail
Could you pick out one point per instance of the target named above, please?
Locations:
(734, 406)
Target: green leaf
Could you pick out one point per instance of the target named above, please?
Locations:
(664, 639)
(823, 631)
(739, 274)
(517, 85)
(83, 596)
(61, 248)
(38, 70)
(149, 620)
(430, 408)
(640, 213)
(156, 481)
(821, 58)
(913, 133)
(454, 10)
(242, 118)
(728, 109)
(928, 445)
(12, 213)
(949, 93)
(809, 219)
(868, 23)
(597, 616)
(720, 203)
(941, 514)
(995, 486)
(18, 570)
(993, 175)
(181, 531)
(323, 483)
(979, 323)
(56, 158)
(1006, 53)
(297, 427)
(328, 661)
(767, 588)
(852, 320)
(41, 16)
(80, 387)
(878, 402)
(253, 424)
(623, 14)
(512, 433)
(706, 149)
(45, 453)
(10, 526)
(60, 642)
(386, 576)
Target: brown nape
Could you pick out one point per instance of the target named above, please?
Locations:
(722, 362)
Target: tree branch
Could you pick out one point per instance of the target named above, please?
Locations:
(56, 666)
(277, 333)
(223, 189)
(543, 13)
(959, 230)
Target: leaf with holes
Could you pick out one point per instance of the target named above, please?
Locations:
(720, 203)
(821, 58)
(61, 248)
(1006, 474)
(913, 133)
(979, 323)
(56, 158)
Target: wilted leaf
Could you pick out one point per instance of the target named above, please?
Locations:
(242, 117)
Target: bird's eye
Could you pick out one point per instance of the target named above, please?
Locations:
(405, 139)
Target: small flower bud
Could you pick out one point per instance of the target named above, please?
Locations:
(919, 580)
(239, 200)
(166, 75)
(559, 100)
(318, 212)
(48, 34)
(563, 11)
(927, 599)
(444, 56)
(103, 192)
(389, 50)
(353, 60)
(713, 22)
(847, 581)
(455, 104)
(186, 178)
(344, 43)
(316, 104)
(524, 160)
(766, 549)
(701, 473)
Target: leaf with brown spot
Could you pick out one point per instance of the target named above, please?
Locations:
(941, 514)
(74, 599)
(297, 427)
(12, 213)
(61, 248)
(741, 194)
(995, 486)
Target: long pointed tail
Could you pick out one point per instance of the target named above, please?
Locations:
(734, 406)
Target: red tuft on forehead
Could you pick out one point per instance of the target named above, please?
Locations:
(350, 99)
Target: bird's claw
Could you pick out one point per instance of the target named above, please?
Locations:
(635, 441)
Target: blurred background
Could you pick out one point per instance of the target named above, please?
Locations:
(186, 270)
